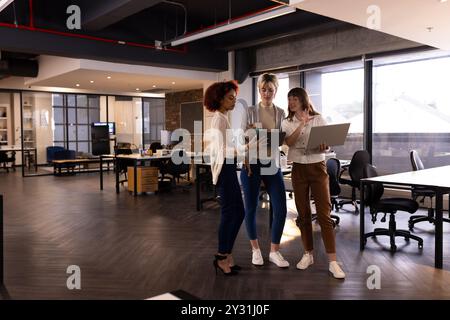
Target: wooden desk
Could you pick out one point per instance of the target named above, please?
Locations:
(436, 179)
(138, 160)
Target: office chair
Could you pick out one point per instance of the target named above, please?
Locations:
(5, 158)
(123, 164)
(417, 192)
(175, 171)
(155, 146)
(387, 205)
(356, 171)
(122, 145)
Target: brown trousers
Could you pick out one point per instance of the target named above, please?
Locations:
(314, 177)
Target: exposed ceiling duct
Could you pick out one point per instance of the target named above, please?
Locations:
(234, 24)
(103, 13)
(18, 68)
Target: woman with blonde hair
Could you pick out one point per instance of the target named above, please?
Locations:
(309, 176)
(265, 115)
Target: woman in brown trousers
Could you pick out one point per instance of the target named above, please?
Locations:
(309, 174)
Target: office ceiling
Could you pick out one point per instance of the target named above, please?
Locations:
(127, 31)
(422, 21)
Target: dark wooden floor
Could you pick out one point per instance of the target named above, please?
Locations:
(135, 248)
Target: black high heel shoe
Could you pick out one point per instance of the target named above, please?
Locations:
(216, 265)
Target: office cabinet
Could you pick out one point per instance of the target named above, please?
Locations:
(147, 179)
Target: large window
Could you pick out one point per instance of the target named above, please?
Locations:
(337, 93)
(411, 111)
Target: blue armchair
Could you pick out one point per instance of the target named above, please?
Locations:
(51, 153)
(64, 154)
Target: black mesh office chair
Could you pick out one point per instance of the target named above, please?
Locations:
(356, 171)
(387, 205)
(417, 192)
(155, 146)
(176, 170)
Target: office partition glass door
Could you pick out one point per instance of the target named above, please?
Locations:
(126, 112)
(36, 132)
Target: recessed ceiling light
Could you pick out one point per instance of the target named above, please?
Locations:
(137, 89)
(109, 77)
(442, 1)
(154, 86)
(77, 84)
(173, 82)
(92, 81)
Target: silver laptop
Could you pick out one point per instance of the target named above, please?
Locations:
(331, 135)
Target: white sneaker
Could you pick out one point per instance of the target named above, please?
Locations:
(278, 259)
(257, 258)
(336, 270)
(305, 261)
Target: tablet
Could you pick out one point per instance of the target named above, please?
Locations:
(331, 135)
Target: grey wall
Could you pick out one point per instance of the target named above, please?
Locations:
(337, 43)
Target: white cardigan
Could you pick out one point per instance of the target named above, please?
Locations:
(219, 147)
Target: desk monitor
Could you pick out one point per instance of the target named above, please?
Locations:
(331, 135)
(111, 126)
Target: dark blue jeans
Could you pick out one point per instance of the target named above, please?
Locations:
(232, 207)
(275, 188)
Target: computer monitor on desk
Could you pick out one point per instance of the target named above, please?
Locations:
(111, 126)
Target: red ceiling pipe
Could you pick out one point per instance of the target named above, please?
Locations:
(31, 14)
(31, 27)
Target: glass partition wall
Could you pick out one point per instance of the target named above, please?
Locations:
(126, 114)
(33, 123)
(37, 131)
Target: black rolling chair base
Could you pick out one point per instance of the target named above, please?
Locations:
(392, 234)
(339, 205)
(416, 219)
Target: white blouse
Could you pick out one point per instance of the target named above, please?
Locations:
(220, 146)
(297, 152)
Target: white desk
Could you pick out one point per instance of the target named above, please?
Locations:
(437, 179)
